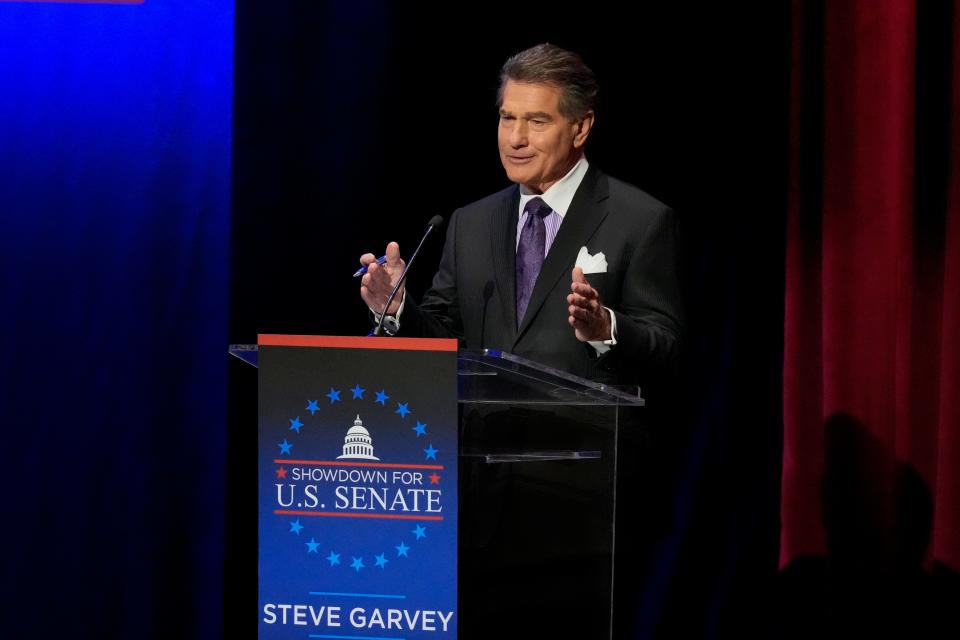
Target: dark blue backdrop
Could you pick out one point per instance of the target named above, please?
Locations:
(115, 137)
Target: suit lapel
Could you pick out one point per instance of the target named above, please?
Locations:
(504, 240)
(587, 211)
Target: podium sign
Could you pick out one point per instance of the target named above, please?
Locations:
(357, 487)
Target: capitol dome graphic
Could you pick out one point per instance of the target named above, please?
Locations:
(357, 445)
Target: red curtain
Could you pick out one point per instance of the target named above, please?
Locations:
(871, 473)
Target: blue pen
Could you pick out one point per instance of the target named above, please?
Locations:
(363, 270)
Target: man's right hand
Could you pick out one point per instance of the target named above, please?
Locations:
(379, 280)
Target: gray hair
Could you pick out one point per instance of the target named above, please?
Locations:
(549, 64)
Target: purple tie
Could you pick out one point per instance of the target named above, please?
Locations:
(530, 250)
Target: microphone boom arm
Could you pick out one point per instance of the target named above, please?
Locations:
(435, 222)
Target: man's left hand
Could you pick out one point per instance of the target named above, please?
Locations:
(589, 319)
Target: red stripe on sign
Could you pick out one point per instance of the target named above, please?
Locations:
(376, 516)
(353, 342)
(332, 463)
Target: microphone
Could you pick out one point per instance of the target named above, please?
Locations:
(434, 223)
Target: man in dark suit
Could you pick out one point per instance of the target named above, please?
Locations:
(574, 269)
(522, 269)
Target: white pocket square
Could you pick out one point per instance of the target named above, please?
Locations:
(596, 263)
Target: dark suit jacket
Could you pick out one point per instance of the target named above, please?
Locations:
(472, 296)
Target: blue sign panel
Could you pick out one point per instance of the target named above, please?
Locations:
(358, 488)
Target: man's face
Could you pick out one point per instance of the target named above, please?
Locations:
(538, 146)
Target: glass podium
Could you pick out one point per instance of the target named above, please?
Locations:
(540, 452)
